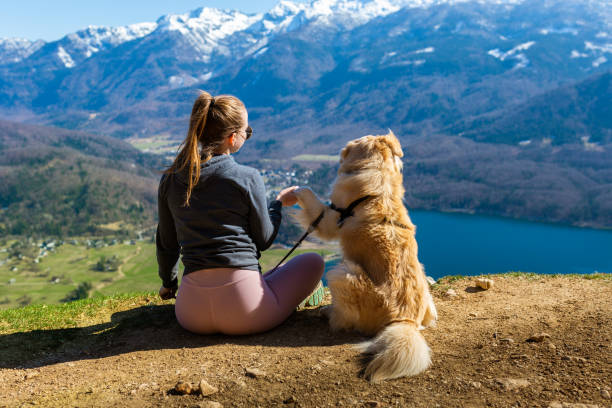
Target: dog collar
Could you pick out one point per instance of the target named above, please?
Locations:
(348, 212)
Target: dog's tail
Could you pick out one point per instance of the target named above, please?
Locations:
(399, 350)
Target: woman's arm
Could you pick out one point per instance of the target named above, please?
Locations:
(264, 220)
(167, 246)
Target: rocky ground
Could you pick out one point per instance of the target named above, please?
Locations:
(525, 342)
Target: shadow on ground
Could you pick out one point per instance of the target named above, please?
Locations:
(153, 328)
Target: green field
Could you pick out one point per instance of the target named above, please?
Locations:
(62, 270)
(317, 158)
(158, 144)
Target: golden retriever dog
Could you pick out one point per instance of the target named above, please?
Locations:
(380, 287)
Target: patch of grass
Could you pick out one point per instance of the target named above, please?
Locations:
(446, 282)
(535, 276)
(317, 157)
(450, 279)
(72, 314)
(63, 270)
(271, 257)
(84, 327)
(602, 276)
(519, 274)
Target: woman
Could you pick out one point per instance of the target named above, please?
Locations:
(213, 211)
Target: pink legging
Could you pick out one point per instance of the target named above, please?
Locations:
(240, 301)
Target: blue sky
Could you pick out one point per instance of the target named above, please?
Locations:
(52, 19)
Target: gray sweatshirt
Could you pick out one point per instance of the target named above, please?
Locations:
(226, 225)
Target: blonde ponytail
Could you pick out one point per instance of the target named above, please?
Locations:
(212, 119)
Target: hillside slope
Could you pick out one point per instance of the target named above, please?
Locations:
(129, 351)
(571, 114)
(61, 182)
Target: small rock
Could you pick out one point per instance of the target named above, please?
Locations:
(484, 283)
(538, 338)
(556, 404)
(31, 375)
(551, 346)
(316, 367)
(510, 384)
(206, 389)
(574, 359)
(372, 404)
(472, 314)
(476, 384)
(133, 392)
(211, 404)
(254, 373)
(183, 388)
(506, 340)
(240, 383)
(289, 400)
(451, 293)
(430, 280)
(605, 394)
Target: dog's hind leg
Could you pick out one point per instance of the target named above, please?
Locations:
(431, 314)
(343, 313)
(356, 304)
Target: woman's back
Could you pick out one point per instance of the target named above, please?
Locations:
(213, 211)
(227, 222)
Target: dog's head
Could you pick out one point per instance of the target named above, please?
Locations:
(372, 152)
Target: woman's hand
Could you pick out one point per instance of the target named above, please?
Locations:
(287, 196)
(167, 293)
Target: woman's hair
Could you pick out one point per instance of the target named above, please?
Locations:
(212, 119)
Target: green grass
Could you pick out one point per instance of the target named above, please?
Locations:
(72, 264)
(158, 144)
(87, 312)
(83, 327)
(317, 157)
(72, 314)
(448, 280)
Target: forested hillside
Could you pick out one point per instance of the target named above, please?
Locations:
(64, 183)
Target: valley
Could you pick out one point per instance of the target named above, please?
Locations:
(54, 271)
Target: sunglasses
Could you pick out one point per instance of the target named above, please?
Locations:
(248, 132)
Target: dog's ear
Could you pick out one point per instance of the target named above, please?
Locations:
(393, 144)
(345, 151)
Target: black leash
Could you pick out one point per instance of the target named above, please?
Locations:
(344, 214)
(297, 244)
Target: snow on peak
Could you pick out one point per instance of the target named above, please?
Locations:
(205, 28)
(603, 48)
(349, 13)
(65, 57)
(217, 23)
(284, 8)
(514, 53)
(16, 49)
(100, 35)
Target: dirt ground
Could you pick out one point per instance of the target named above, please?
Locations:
(481, 356)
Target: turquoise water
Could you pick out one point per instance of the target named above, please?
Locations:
(461, 244)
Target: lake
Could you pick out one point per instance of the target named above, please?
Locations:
(463, 244)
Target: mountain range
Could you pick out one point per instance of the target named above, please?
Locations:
(497, 102)
(323, 69)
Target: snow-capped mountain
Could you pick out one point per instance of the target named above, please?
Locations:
(414, 65)
(13, 50)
